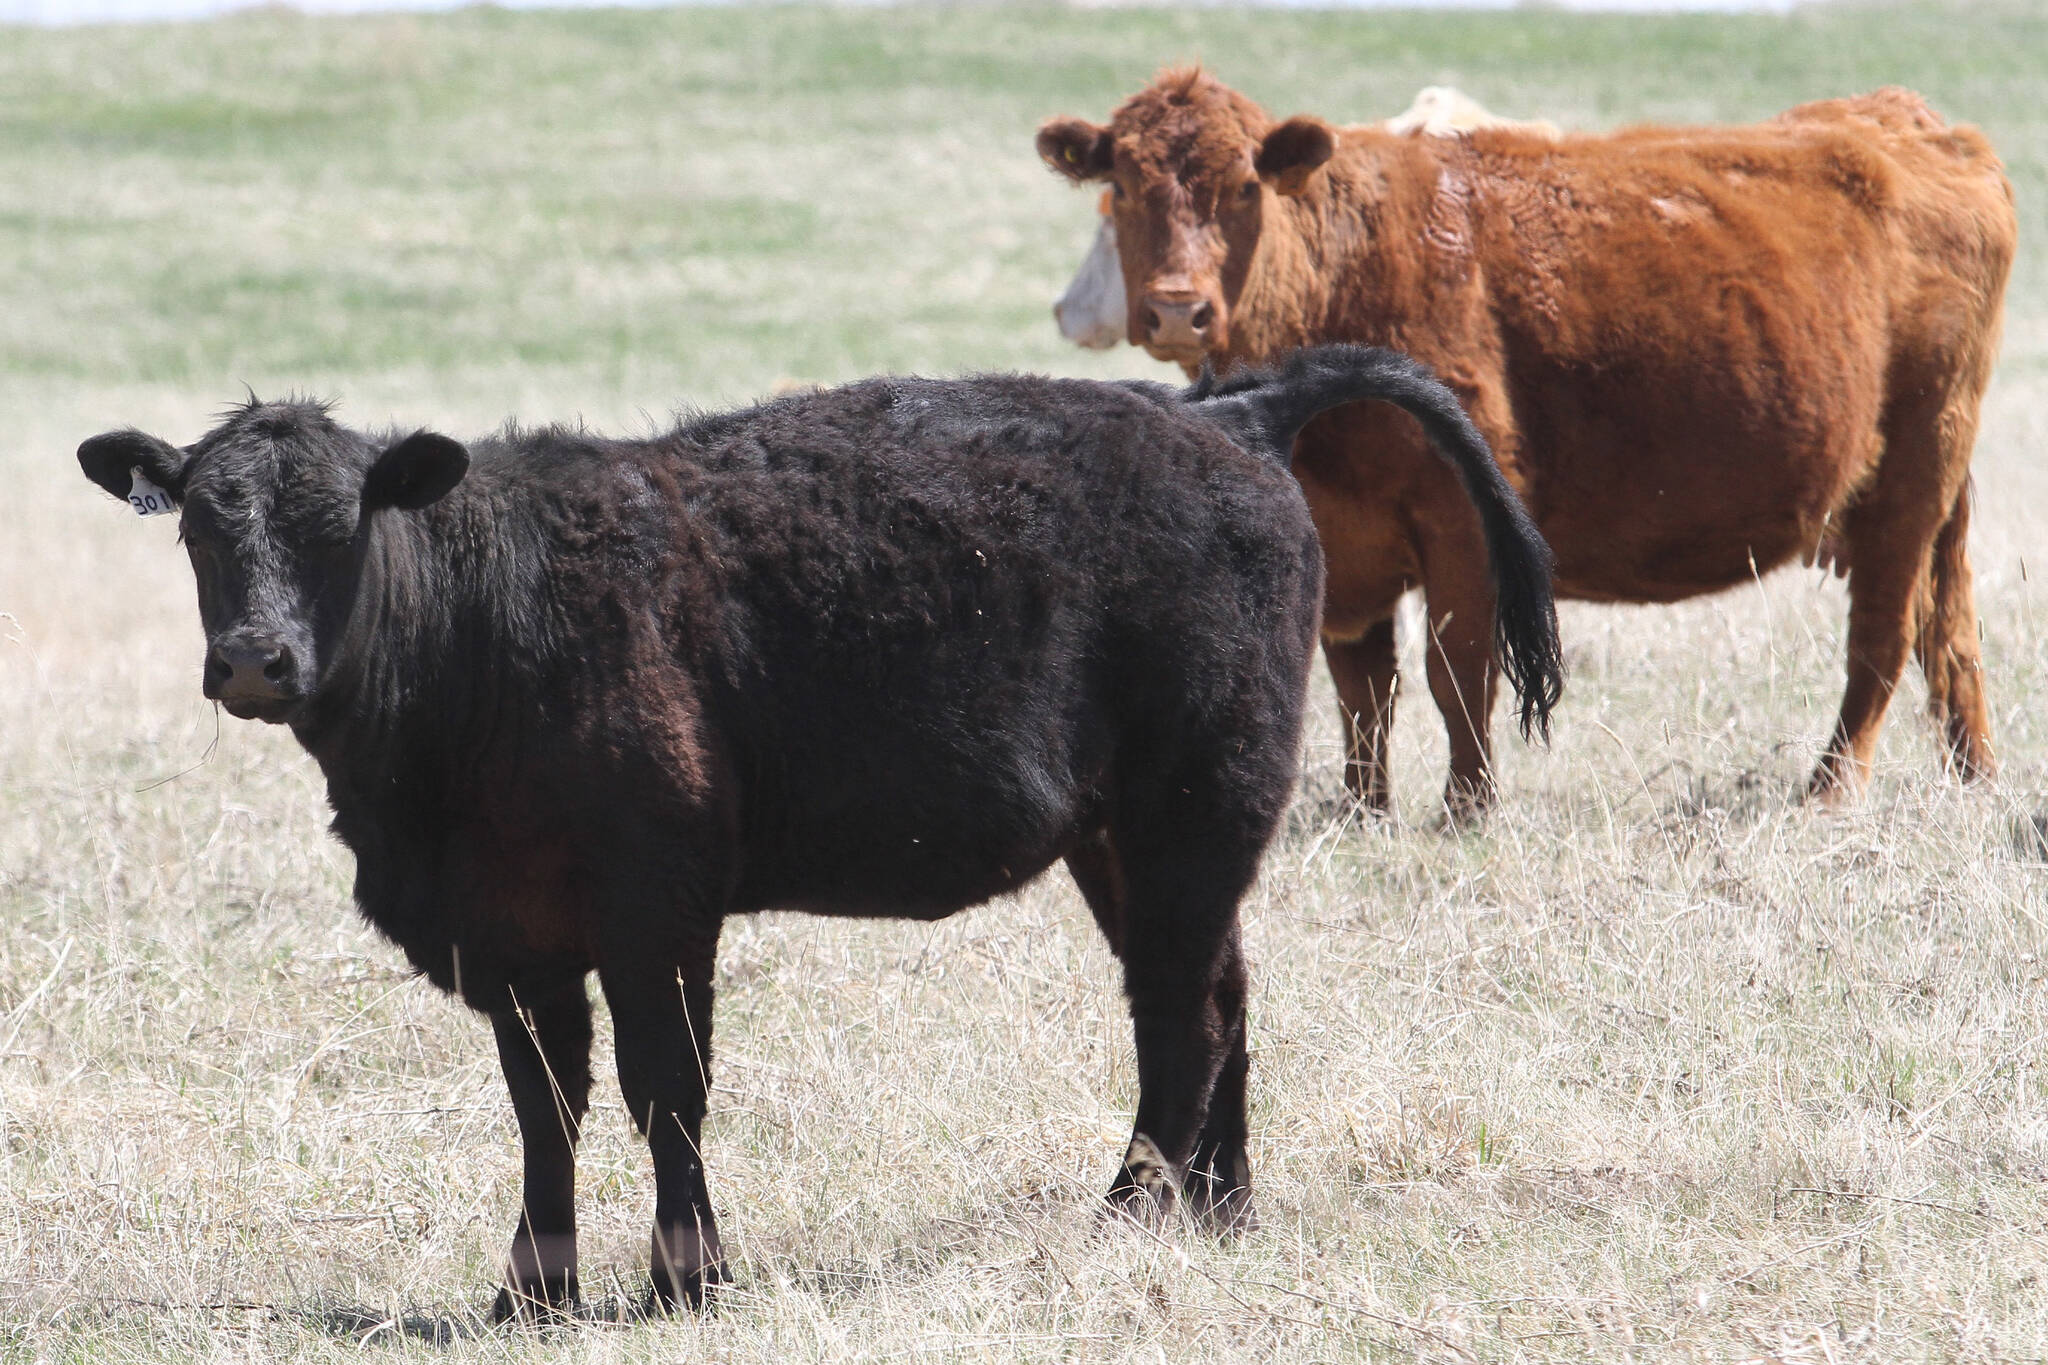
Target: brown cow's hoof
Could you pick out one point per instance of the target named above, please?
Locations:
(1837, 784)
(1968, 755)
(537, 1302)
(1831, 798)
(1344, 808)
(1467, 804)
(1366, 791)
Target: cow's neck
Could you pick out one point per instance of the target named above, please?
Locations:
(1284, 294)
(441, 659)
(1324, 271)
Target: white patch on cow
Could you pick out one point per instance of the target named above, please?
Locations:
(1682, 206)
(1446, 111)
(1092, 311)
(145, 497)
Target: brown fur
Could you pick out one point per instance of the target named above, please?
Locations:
(1698, 353)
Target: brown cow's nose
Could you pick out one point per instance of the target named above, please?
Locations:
(251, 668)
(1178, 324)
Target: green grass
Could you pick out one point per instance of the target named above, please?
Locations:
(1660, 1065)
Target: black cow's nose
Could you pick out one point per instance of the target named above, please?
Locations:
(251, 668)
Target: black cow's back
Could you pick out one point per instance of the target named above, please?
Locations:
(925, 633)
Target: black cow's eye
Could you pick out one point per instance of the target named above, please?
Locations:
(1116, 190)
(1248, 190)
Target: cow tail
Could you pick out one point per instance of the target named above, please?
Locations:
(1269, 408)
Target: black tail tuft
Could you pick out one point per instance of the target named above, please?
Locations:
(1266, 409)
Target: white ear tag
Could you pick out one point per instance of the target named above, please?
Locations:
(145, 497)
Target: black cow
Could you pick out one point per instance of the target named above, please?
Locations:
(891, 649)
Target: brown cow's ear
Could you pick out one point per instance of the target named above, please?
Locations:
(112, 460)
(417, 471)
(1294, 152)
(1076, 148)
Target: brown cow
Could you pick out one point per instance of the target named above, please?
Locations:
(1697, 352)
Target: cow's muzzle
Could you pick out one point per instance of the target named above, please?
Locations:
(1176, 326)
(255, 676)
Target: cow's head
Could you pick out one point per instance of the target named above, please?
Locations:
(275, 508)
(1192, 168)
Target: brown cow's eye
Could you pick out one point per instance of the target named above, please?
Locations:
(1116, 191)
(1249, 190)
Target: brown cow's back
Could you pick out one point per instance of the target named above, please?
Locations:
(1664, 306)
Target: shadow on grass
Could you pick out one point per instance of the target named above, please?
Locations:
(434, 1327)
(369, 1327)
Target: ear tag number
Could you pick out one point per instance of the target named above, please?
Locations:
(145, 497)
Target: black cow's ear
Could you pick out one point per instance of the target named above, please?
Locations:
(112, 460)
(1076, 148)
(1293, 152)
(417, 471)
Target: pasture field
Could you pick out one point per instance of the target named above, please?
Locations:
(1659, 1065)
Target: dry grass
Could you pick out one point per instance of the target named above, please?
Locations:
(1661, 1064)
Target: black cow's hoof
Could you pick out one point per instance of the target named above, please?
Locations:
(1218, 1191)
(1225, 1213)
(1145, 1209)
(696, 1293)
(1145, 1192)
(537, 1302)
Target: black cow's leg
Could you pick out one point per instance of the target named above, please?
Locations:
(662, 1015)
(1186, 988)
(544, 1047)
(1097, 872)
(1218, 1182)
(1219, 1179)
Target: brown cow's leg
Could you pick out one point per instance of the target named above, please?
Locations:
(1890, 535)
(1880, 610)
(1914, 511)
(662, 1016)
(1949, 653)
(1364, 672)
(1462, 678)
(544, 1047)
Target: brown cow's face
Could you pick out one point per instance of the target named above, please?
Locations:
(1193, 168)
